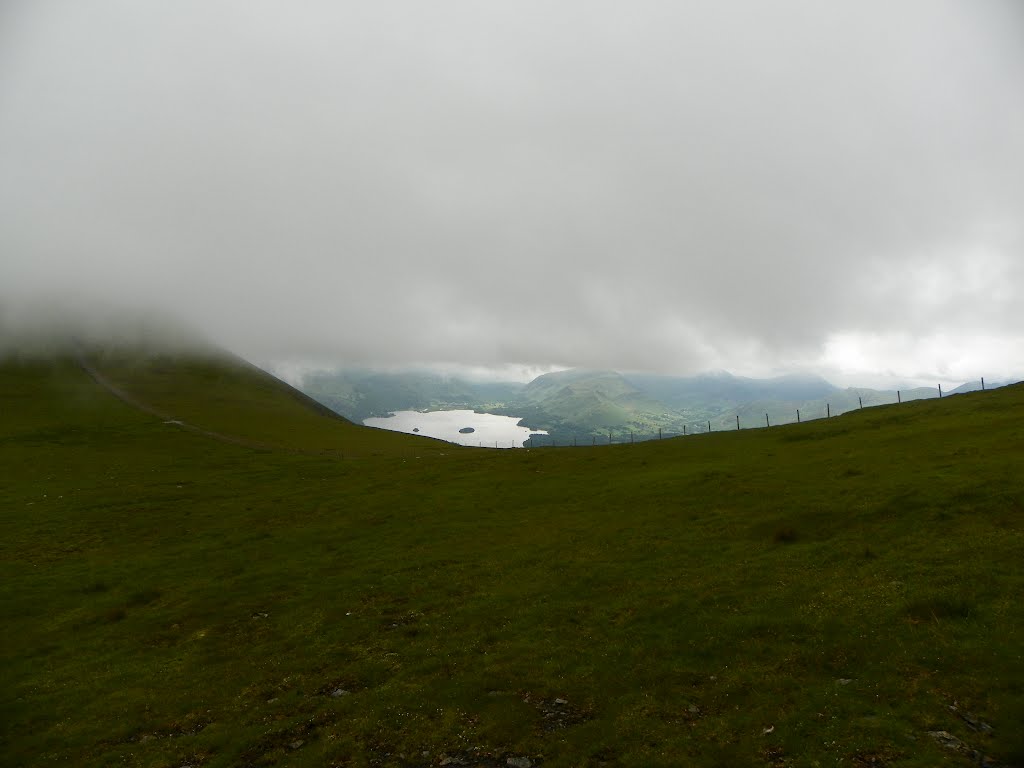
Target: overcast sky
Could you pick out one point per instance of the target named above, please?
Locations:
(653, 185)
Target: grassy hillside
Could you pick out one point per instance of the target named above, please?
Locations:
(716, 392)
(582, 403)
(578, 402)
(752, 414)
(819, 594)
(359, 393)
(229, 397)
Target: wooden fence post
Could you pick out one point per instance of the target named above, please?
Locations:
(797, 415)
(828, 410)
(982, 383)
(737, 422)
(766, 422)
(898, 398)
(940, 390)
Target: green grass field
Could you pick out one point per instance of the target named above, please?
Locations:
(321, 594)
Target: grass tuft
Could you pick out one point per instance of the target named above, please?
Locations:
(786, 535)
(114, 615)
(144, 597)
(936, 608)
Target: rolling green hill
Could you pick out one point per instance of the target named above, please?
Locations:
(264, 584)
(227, 396)
(582, 403)
(358, 394)
(586, 402)
(722, 391)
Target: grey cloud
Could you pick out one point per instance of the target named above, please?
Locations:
(653, 186)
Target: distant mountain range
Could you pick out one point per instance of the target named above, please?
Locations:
(587, 404)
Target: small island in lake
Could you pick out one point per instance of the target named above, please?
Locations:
(466, 430)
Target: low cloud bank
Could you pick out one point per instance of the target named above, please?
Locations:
(658, 186)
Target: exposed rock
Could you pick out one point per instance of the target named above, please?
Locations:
(951, 742)
(947, 739)
(972, 722)
(478, 757)
(557, 714)
(297, 743)
(337, 693)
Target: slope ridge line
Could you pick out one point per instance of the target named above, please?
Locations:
(125, 397)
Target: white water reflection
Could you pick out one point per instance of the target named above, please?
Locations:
(488, 430)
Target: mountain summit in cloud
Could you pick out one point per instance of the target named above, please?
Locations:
(659, 186)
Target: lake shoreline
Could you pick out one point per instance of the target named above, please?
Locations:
(467, 427)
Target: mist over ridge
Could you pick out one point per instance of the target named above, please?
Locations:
(655, 187)
(575, 404)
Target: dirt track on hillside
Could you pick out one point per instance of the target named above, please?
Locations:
(171, 420)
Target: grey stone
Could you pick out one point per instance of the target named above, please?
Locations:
(948, 740)
(972, 722)
(519, 762)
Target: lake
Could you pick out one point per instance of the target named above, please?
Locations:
(487, 429)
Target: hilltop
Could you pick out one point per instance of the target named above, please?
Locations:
(204, 568)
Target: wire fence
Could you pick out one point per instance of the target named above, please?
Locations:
(773, 417)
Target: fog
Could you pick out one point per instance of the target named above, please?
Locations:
(520, 186)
